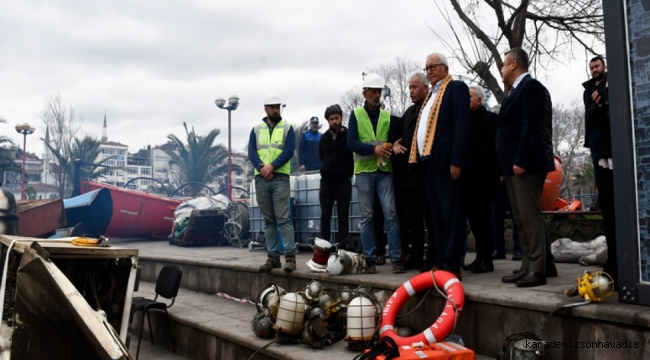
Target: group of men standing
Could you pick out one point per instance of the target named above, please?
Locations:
(448, 155)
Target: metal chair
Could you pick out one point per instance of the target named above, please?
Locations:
(167, 284)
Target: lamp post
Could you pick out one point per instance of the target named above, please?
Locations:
(24, 129)
(233, 103)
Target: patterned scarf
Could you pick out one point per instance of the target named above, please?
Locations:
(432, 122)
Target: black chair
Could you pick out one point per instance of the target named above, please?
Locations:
(167, 284)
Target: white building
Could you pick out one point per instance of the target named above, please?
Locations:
(117, 175)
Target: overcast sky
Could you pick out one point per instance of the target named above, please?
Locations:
(153, 64)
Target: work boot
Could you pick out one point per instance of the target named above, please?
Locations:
(271, 263)
(371, 267)
(398, 267)
(289, 263)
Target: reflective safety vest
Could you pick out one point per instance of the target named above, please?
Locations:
(270, 145)
(368, 163)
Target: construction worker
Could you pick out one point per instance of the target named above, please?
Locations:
(270, 149)
(369, 132)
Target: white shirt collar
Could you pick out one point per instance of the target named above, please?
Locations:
(435, 87)
(518, 80)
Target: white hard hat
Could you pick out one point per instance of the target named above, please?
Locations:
(273, 99)
(373, 81)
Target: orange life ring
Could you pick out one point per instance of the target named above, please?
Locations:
(442, 327)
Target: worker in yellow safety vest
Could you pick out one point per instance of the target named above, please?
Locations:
(370, 138)
(270, 149)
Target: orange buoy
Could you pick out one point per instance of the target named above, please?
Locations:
(552, 187)
(442, 327)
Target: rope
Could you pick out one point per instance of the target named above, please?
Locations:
(442, 293)
(262, 348)
(244, 300)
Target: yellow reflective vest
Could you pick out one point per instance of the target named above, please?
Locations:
(270, 145)
(368, 163)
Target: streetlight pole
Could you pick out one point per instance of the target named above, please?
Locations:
(24, 129)
(233, 103)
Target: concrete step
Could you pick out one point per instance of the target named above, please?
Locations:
(493, 310)
(206, 326)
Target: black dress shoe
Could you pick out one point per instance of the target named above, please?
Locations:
(470, 266)
(498, 255)
(511, 279)
(531, 279)
(482, 267)
(517, 256)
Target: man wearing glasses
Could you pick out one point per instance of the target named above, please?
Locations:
(270, 149)
(440, 143)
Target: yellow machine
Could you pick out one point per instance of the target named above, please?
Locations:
(593, 287)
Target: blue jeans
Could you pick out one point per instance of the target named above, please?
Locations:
(367, 185)
(273, 198)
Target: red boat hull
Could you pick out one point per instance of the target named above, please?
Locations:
(137, 214)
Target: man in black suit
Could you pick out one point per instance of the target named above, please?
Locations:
(411, 201)
(524, 143)
(482, 179)
(440, 143)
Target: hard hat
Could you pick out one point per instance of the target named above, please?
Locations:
(273, 99)
(373, 81)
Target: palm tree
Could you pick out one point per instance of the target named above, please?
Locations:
(87, 150)
(7, 155)
(586, 178)
(198, 160)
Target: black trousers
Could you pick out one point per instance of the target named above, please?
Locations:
(414, 212)
(478, 204)
(605, 184)
(445, 196)
(341, 193)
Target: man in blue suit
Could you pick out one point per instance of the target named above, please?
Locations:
(440, 143)
(525, 149)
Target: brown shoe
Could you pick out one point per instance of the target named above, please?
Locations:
(289, 263)
(271, 263)
(511, 279)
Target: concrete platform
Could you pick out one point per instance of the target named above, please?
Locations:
(493, 310)
(206, 326)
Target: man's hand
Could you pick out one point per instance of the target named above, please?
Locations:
(455, 172)
(269, 177)
(382, 152)
(595, 96)
(501, 178)
(266, 170)
(398, 148)
(518, 170)
(301, 168)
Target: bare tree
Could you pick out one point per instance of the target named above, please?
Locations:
(397, 75)
(568, 136)
(350, 100)
(547, 29)
(63, 125)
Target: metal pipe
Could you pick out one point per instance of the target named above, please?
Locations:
(229, 159)
(22, 188)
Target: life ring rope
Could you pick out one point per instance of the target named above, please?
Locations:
(453, 293)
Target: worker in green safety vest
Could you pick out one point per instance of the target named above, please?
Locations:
(270, 149)
(369, 131)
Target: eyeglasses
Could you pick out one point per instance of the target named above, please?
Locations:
(432, 67)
